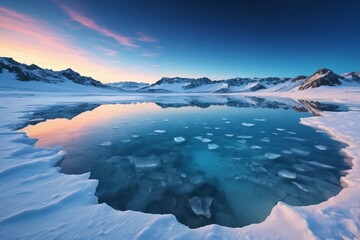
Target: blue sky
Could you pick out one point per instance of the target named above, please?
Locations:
(146, 40)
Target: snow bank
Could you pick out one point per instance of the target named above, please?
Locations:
(39, 202)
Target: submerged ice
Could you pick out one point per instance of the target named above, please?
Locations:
(203, 168)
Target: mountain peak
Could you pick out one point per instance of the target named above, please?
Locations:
(322, 77)
(323, 71)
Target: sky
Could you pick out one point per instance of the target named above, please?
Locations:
(142, 40)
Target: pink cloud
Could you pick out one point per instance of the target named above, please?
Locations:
(89, 23)
(31, 40)
(107, 51)
(144, 37)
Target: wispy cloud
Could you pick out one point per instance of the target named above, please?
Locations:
(145, 37)
(107, 51)
(31, 40)
(89, 23)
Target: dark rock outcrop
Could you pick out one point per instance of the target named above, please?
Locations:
(322, 77)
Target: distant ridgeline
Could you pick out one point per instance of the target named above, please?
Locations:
(322, 77)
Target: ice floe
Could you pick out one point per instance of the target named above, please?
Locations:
(321, 147)
(318, 164)
(106, 144)
(212, 146)
(286, 174)
(201, 206)
(206, 140)
(260, 119)
(296, 139)
(179, 139)
(280, 129)
(301, 187)
(159, 131)
(256, 147)
(229, 135)
(135, 136)
(248, 124)
(272, 155)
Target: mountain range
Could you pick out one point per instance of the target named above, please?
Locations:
(13, 72)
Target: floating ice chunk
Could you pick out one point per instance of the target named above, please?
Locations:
(208, 128)
(301, 187)
(229, 135)
(126, 141)
(260, 119)
(166, 120)
(224, 119)
(179, 139)
(205, 140)
(280, 129)
(135, 136)
(216, 128)
(159, 131)
(275, 133)
(262, 132)
(317, 164)
(145, 162)
(300, 152)
(209, 134)
(248, 124)
(286, 174)
(199, 138)
(241, 141)
(212, 146)
(255, 147)
(293, 133)
(286, 152)
(106, 144)
(183, 175)
(201, 206)
(227, 122)
(272, 155)
(296, 139)
(245, 137)
(321, 147)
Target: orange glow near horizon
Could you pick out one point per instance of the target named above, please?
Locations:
(29, 40)
(65, 129)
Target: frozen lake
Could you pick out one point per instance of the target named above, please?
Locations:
(201, 161)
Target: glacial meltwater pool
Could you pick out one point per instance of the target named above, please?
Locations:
(227, 163)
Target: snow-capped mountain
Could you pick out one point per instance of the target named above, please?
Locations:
(128, 86)
(322, 77)
(15, 74)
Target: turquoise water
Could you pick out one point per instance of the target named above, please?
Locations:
(220, 164)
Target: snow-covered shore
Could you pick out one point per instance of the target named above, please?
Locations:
(38, 202)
